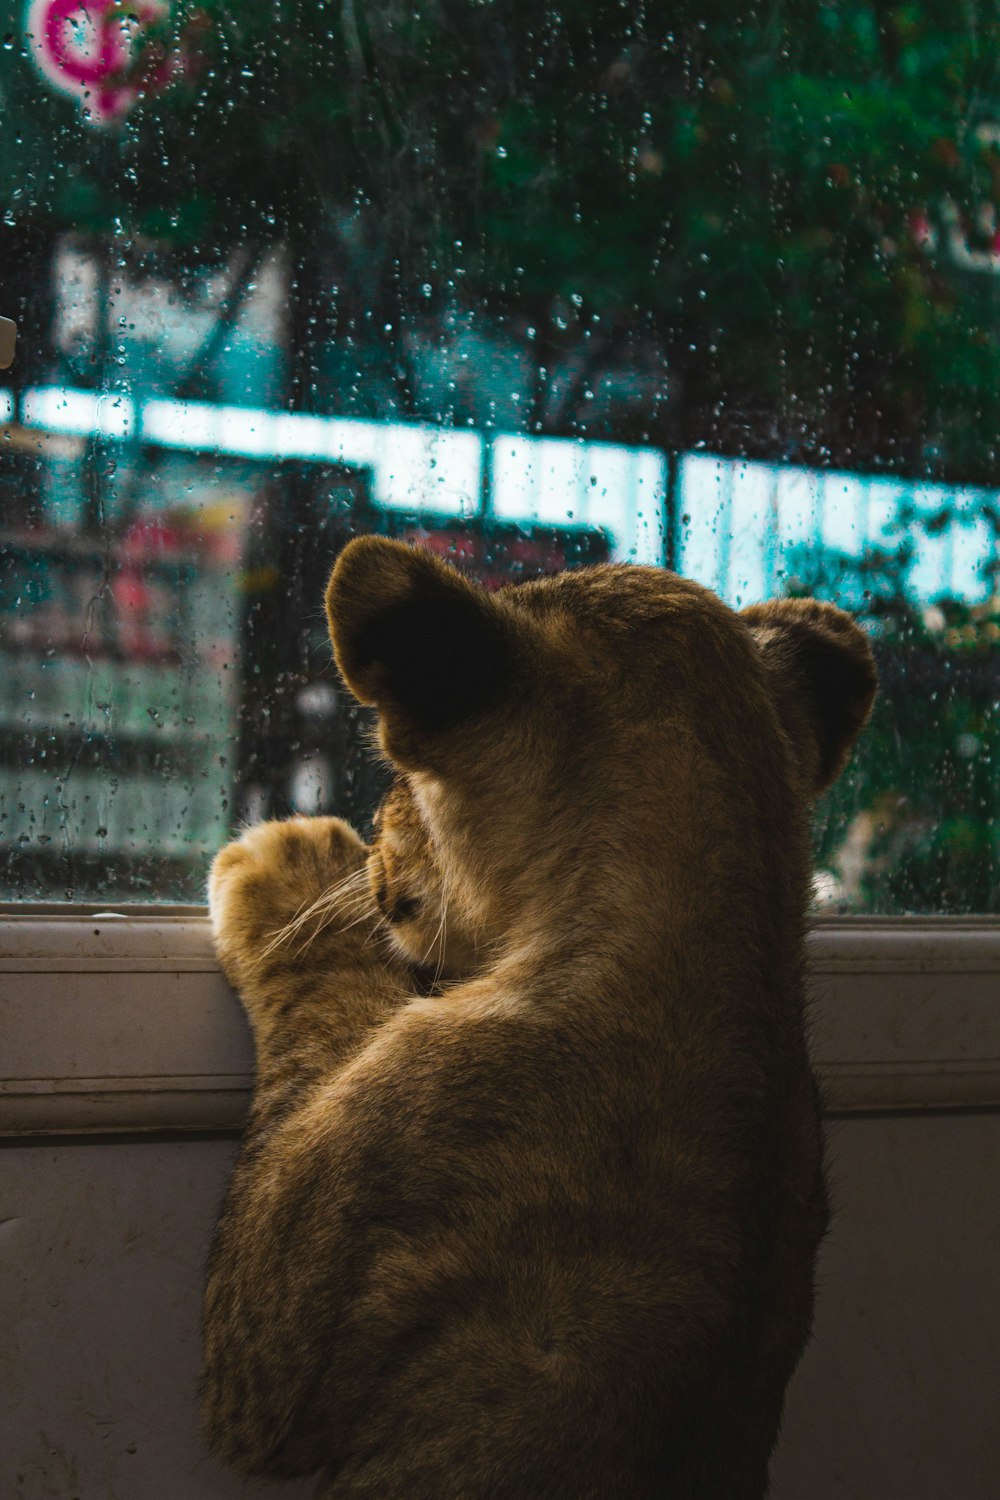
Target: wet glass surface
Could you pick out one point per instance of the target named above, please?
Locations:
(709, 287)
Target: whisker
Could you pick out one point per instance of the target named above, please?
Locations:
(322, 904)
(315, 908)
(367, 913)
(437, 934)
(440, 941)
(361, 905)
(319, 908)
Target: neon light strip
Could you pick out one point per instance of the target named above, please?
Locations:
(735, 510)
(59, 409)
(414, 466)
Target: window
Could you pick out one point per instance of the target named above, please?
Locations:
(531, 286)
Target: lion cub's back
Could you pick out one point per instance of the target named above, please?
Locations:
(543, 1287)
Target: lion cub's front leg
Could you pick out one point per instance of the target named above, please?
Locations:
(299, 938)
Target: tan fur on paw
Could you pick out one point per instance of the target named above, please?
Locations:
(273, 890)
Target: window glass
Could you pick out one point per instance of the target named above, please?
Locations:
(709, 287)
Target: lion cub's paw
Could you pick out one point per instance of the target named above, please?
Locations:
(280, 881)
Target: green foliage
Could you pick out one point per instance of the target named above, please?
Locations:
(912, 825)
(919, 802)
(739, 186)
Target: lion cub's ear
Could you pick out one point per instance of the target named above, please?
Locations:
(414, 638)
(824, 678)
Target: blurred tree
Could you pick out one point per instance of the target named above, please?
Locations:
(912, 826)
(763, 229)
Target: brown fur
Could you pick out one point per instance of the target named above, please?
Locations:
(550, 1230)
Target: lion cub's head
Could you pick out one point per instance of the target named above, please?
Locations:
(591, 754)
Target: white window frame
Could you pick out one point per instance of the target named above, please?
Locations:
(122, 1022)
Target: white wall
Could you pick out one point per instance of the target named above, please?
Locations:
(127, 1030)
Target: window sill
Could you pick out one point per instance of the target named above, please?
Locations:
(123, 1023)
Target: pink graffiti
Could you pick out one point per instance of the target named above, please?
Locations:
(93, 48)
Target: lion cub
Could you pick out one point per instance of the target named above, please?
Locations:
(545, 1226)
